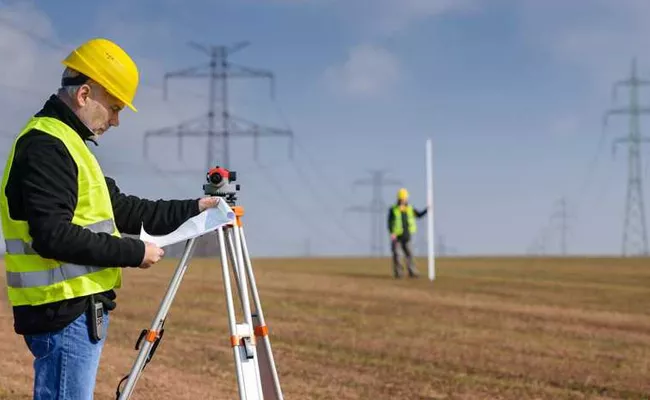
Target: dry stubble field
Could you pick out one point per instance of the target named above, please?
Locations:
(343, 329)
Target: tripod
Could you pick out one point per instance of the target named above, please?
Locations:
(257, 377)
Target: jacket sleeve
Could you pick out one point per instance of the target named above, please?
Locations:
(390, 220)
(49, 191)
(159, 217)
(420, 214)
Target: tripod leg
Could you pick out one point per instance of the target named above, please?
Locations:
(268, 371)
(153, 335)
(241, 272)
(241, 335)
(233, 261)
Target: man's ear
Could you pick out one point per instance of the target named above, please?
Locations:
(82, 95)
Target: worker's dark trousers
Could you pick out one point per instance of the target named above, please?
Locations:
(405, 245)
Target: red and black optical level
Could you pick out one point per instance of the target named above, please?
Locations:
(219, 179)
(220, 176)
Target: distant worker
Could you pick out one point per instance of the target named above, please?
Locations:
(61, 221)
(402, 226)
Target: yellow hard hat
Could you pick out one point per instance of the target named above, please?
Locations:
(403, 194)
(107, 64)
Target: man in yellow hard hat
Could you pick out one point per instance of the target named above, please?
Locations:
(402, 226)
(62, 221)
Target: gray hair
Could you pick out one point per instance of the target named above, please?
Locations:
(71, 90)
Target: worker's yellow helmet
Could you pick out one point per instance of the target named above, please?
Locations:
(107, 64)
(403, 194)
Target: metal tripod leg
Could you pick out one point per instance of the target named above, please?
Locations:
(257, 377)
(242, 338)
(231, 258)
(152, 336)
(263, 374)
(268, 371)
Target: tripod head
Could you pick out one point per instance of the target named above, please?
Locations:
(219, 184)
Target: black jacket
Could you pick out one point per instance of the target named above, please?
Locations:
(42, 190)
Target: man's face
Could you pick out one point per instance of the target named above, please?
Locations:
(98, 109)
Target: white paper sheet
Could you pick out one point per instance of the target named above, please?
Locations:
(207, 221)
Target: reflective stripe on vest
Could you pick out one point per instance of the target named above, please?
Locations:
(17, 246)
(43, 278)
(61, 273)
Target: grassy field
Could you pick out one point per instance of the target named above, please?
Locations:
(344, 329)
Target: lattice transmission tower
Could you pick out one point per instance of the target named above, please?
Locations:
(377, 208)
(218, 70)
(635, 236)
(219, 122)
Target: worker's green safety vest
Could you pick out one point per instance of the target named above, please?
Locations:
(398, 227)
(34, 280)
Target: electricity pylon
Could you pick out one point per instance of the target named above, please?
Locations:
(561, 217)
(219, 69)
(558, 221)
(377, 208)
(635, 236)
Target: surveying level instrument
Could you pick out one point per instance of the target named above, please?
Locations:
(257, 377)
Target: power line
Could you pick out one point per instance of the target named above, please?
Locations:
(56, 45)
(331, 212)
(635, 236)
(297, 142)
(331, 187)
(22, 89)
(230, 70)
(6, 22)
(219, 69)
(377, 208)
(285, 199)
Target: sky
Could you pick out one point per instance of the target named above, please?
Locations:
(511, 92)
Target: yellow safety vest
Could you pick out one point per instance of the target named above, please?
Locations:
(34, 280)
(398, 228)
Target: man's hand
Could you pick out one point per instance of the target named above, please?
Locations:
(393, 237)
(152, 254)
(208, 202)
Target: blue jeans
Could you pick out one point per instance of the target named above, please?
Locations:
(66, 361)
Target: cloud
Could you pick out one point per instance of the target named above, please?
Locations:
(152, 34)
(368, 71)
(31, 62)
(392, 16)
(371, 70)
(29, 41)
(601, 42)
(31, 55)
(384, 17)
